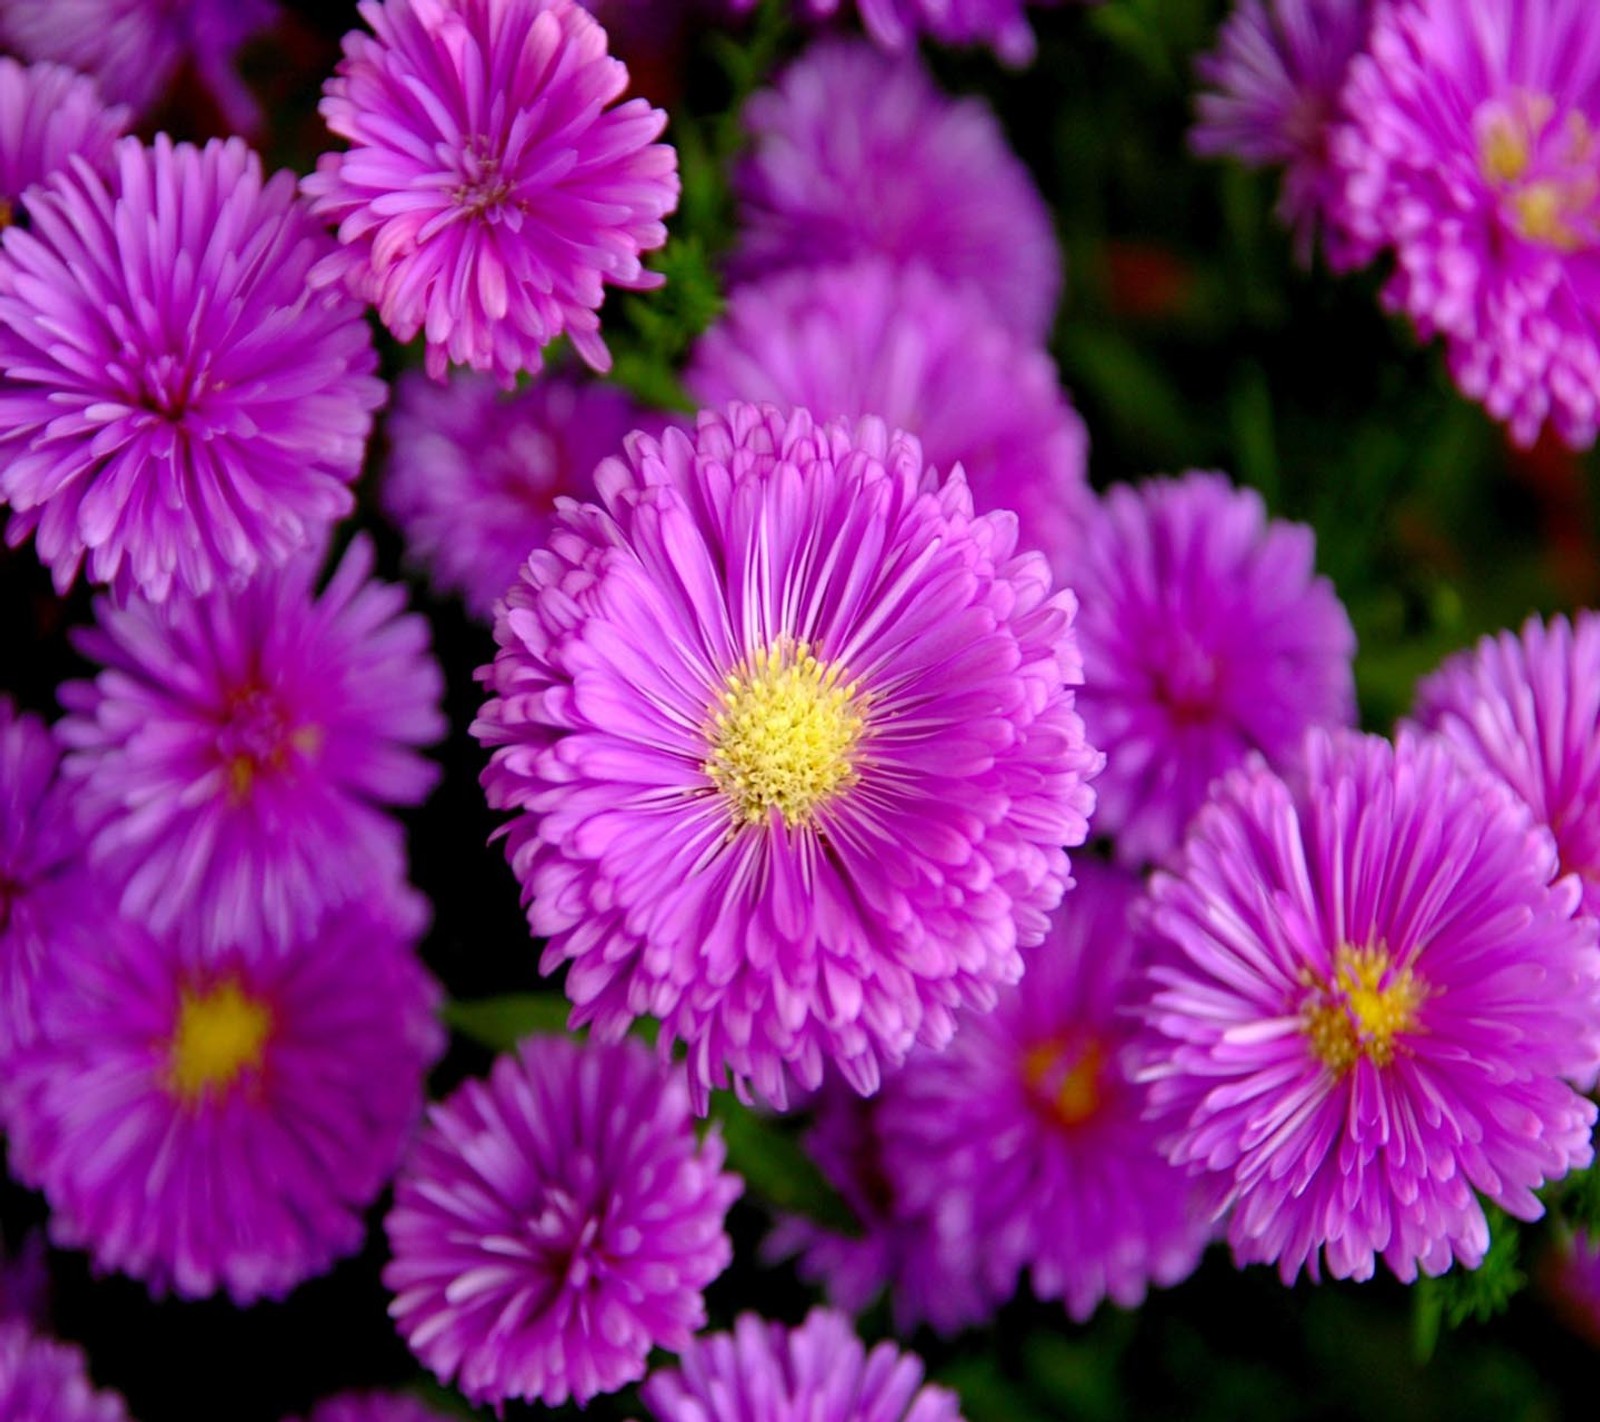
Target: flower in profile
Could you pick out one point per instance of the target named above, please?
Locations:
(233, 760)
(489, 192)
(855, 153)
(375, 1407)
(1526, 709)
(1206, 635)
(134, 49)
(554, 1223)
(1469, 150)
(474, 473)
(42, 1380)
(220, 1120)
(1273, 97)
(48, 116)
(1369, 1001)
(789, 735)
(817, 1372)
(928, 358)
(174, 401)
(896, 25)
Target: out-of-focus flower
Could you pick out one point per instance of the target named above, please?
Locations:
(929, 359)
(489, 191)
(897, 24)
(42, 1380)
(375, 1407)
(233, 760)
(556, 1222)
(174, 401)
(48, 116)
(857, 154)
(790, 736)
(1369, 1001)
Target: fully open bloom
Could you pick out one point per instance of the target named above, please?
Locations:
(553, 1224)
(1469, 150)
(489, 192)
(790, 736)
(1369, 1000)
(1526, 708)
(1206, 634)
(818, 1372)
(174, 401)
(45, 1381)
(48, 116)
(233, 760)
(873, 338)
(221, 1119)
(856, 154)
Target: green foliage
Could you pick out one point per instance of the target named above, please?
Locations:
(1461, 1296)
(499, 1023)
(766, 1151)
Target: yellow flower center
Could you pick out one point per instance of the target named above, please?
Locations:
(1548, 173)
(1368, 1004)
(783, 735)
(221, 1033)
(1064, 1076)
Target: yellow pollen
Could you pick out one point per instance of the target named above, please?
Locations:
(1065, 1077)
(1504, 156)
(221, 1033)
(7, 214)
(783, 735)
(1367, 1006)
(1546, 172)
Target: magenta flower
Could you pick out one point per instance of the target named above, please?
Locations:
(855, 154)
(374, 1407)
(233, 761)
(174, 402)
(1369, 1002)
(556, 1222)
(1206, 634)
(134, 49)
(1527, 710)
(1469, 152)
(42, 1380)
(929, 359)
(790, 736)
(220, 1120)
(474, 474)
(897, 24)
(818, 1372)
(489, 191)
(48, 116)
(1273, 98)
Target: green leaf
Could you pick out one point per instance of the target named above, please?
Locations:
(499, 1023)
(1478, 1295)
(776, 1167)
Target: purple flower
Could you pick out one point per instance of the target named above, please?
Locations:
(930, 359)
(233, 759)
(42, 1380)
(375, 1407)
(857, 154)
(790, 736)
(1274, 80)
(41, 853)
(174, 402)
(134, 49)
(489, 191)
(474, 474)
(1206, 634)
(556, 1222)
(48, 116)
(1527, 710)
(897, 24)
(818, 1372)
(220, 1120)
(1369, 1000)
(1469, 150)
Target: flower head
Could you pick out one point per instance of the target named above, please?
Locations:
(875, 339)
(175, 403)
(1273, 99)
(818, 1372)
(489, 191)
(790, 736)
(48, 116)
(1369, 1000)
(1206, 634)
(1470, 149)
(474, 474)
(1527, 710)
(556, 1222)
(42, 1380)
(233, 759)
(857, 154)
(220, 1120)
